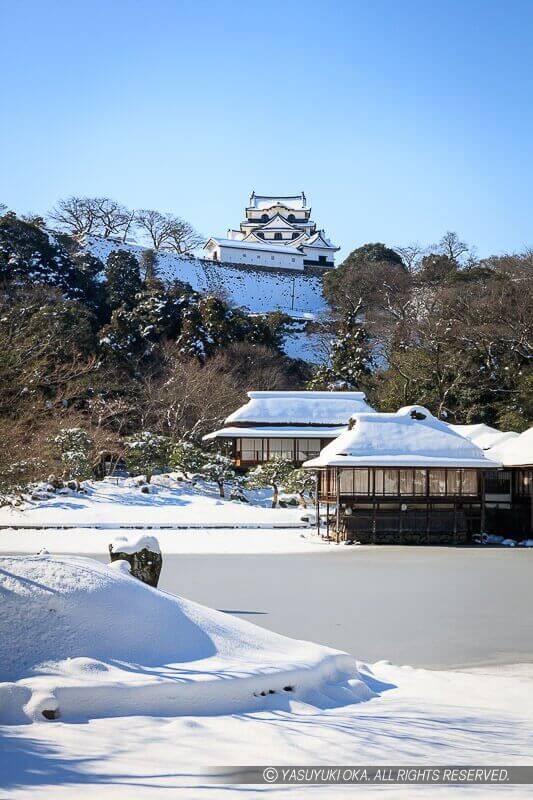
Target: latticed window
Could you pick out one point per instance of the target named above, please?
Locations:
(469, 482)
(251, 449)
(437, 482)
(307, 448)
(282, 448)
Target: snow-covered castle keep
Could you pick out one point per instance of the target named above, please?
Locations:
(277, 232)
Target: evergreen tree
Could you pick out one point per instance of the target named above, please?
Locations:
(123, 279)
(301, 482)
(30, 255)
(146, 452)
(350, 358)
(75, 446)
(219, 470)
(272, 474)
(186, 457)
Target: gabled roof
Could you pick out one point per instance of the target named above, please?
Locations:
(318, 239)
(263, 201)
(516, 452)
(412, 437)
(483, 435)
(236, 236)
(278, 222)
(247, 246)
(299, 408)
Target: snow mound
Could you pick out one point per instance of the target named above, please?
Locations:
(134, 543)
(80, 640)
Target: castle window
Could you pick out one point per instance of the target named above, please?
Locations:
(272, 258)
(322, 260)
(277, 236)
(295, 235)
(291, 217)
(264, 217)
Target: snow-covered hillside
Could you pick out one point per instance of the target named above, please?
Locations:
(256, 290)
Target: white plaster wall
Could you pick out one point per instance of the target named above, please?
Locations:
(235, 255)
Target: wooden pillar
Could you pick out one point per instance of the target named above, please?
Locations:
(428, 538)
(483, 511)
(317, 505)
(373, 474)
(338, 493)
(327, 516)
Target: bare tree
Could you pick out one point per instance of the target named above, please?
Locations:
(75, 215)
(183, 237)
(450, 245)
(156, 227)
(411, 255)
(82, 216)
(112, 218)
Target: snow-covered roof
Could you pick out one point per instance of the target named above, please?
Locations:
(401, 440)
(516, 452)
(277, 432)
(483, 435)
(300, 408)
(278, 222)
(246, 246)
(260, 201)
(318, 239)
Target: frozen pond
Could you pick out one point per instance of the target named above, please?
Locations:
(431, 607)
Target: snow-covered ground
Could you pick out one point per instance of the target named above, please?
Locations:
(154, 695)
(171, 503)
(78, 637)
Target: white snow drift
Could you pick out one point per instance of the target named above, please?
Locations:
(82, 640)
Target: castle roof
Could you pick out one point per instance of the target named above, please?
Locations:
(263, 201)
(318, 239)
(241, 245)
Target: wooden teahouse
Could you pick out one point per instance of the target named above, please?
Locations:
(516, 455)
(402, 478)
(295, 425)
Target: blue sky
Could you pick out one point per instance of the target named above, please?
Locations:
(400, 120)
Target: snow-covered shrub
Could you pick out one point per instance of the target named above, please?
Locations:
(271, 474)
(301, 482)
(188, 458)
(75, 446)
(146, 452)
(219, 470)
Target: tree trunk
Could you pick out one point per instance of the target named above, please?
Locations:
(221, 489)
(275, 496)
(301, 499)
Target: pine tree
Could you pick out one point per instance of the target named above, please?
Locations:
(75, 446)
(301, 482)
(219, 470)
(188, 458)
(271, 474)
(123, 278)
(146, 452)
(350, 358)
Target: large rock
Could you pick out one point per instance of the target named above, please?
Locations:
(142, 554)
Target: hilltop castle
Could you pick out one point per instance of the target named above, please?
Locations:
(278, 233)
